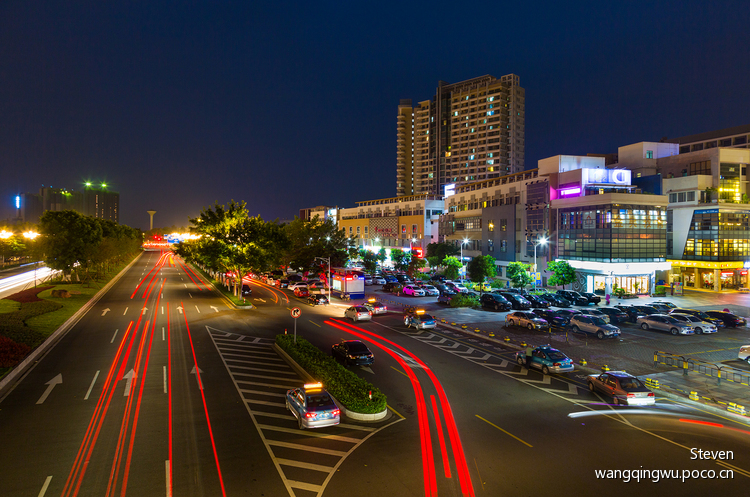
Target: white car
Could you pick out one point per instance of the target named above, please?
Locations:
(358, 313)
(699, 325)
(298, 284)
(413, 290)
(430, 290)
(378, 280)
(744, 354)
(457, 287)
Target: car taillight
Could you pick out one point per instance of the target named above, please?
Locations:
(385, 308)
(557, 364)
(631, 395)
(369, 312)
(651, 394)
(336, 412)
(311, 415)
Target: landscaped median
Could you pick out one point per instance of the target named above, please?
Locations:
(349, 390)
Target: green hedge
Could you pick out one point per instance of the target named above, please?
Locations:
(461, 300)
(12, 323)
(348, 388)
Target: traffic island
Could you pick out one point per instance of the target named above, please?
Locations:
(357, 398)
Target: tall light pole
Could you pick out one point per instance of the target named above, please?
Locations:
(328, 259)
(465, 240)
(542, 241)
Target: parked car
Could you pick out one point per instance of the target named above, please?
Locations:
(246, 290)
(631, 311)
(375, 307)
(669, 304)
(526, 319)
(665, 322)
(552, 317)
(358, 313)
(593, 298)
(282, 283)
(555, 300)
(700, 314)
(494, 301)
(413, 290)
(456, 287)
(301, 292)
(445, 298)
(429, 290)
(598, 313)
(419, 320)
(730, 320)
(354, 352)
(389, 278)
(368, 280)
(317, 299)
(297, 284)
(388, 287)
(593, 325)
(403, 279)
(312, 406)
(516, 301)
(378, 280)
(624, 388)
(744, 353)
(647, 310)
(663, 309)
(698, 324)
(615, 315)
(537, 301)
(573, 297)
(547, 359)
(444, 289)
(568, 313)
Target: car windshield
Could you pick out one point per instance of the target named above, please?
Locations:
(598, 321)
(692, 319)
(319, 401)
(702, 314)
(358, 347)
(556, 355)
(360, 308)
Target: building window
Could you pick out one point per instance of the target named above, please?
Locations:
(491, 226)
(490, 245)
(649, 154)
(414, 229)
(365, 231)
(503, 245)
(503, 225)
(403, 228)
(357, 230)
(703, 167)
(690, 196)
(518, 246)
(350, 230)
(681, 197)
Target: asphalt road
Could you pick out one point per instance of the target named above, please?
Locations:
(464, 418)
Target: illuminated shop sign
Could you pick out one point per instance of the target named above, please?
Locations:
(450, 189)
(709, 265)
(605, 177)
(566, 192)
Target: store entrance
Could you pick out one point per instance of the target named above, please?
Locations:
(634, 285)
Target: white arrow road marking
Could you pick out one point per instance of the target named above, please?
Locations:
(92, 385)
(113, 336)
(51, 384)
(105, 311)
(180, 309)
(367, 368)
(143, 311)
(129, 377)
(197, 376)
(196, 308)
(215, 308)
(126, 311)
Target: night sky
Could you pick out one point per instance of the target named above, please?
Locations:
(288, 105)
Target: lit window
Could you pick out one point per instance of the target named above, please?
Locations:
(649, 154)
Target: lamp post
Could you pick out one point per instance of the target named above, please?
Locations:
(328, 259)
(465, 240)
(543, 241)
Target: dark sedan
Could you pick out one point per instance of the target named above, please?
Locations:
(537, 301)
(352, 352)
(494, 301)
(730, 320)
(317, 299)
(555, 300)
(615, 315)
(517, 301)
(630, 310)
(553, 317)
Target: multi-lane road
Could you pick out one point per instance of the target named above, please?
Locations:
(162, 388)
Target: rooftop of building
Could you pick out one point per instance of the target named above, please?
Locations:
(709, 135)
(394, 200)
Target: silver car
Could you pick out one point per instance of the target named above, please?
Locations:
(358, 313)
(744, 354)
(594, 325)
(698, 324)
(430, 290)
(624, 388)
(527, 319)
(663, 322)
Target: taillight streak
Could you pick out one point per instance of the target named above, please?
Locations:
(458, 452)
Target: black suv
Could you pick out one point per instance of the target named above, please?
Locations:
(495, 301)
(729, 319)
(553, 317)
(573, 297)
(593, 298)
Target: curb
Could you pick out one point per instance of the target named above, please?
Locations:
(33, 358)
(349, 414)
(219, 293)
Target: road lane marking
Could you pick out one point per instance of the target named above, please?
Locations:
(196, 308)
(166, 469)
(165, 379)
(295, 431)
(191, 295)
(308, 448)
(113, 336)
(92, 383)
(44, 487)
(392, 409)
(50, 385)
(126, 311)
(184, 285)
(305, 465)
(506, 432)
(105, 311)
(162, 333)
(399, 371)
(313, 322)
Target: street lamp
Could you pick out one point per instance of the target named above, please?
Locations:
(465, 240)
(542, 241)
(328, 259)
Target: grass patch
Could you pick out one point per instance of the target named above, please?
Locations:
(47, 323)
(9, 306)
(238, 301)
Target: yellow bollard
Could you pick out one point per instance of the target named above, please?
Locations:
(476, 330)
(492, 333)
(583, 362)
(693, 395)
(605, 368)
(507, 339)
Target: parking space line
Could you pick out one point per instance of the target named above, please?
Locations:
(506, 432)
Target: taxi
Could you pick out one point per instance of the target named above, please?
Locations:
(375, 307)
(420, 320)
(312, 406)
(547, 359)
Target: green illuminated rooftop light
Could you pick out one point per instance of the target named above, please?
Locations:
(104, 185)
(88, 183)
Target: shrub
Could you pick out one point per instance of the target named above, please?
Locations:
(348, 388)
(29, 295)
(461, 300)
(11, 353)
(660, 290)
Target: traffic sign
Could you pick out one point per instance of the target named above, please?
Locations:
(296, 312)
(538, 276)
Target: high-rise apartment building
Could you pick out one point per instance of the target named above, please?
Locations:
(93, 201)
(469, 131)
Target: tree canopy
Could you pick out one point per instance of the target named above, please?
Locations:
(518, 274)
(563, 273)
(481, 267)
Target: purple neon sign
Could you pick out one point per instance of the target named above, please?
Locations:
(570, 191)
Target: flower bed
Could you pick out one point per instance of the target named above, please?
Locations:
(348, 388)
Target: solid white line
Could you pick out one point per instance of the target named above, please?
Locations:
(295, 431)
(265, 403)
(307, 448)
(44, 487)
(166, 468)
(264, 370)
(305, 465)
(126, 311)
(113, 336)
(165, 379)
(92, 385)
(270, 385)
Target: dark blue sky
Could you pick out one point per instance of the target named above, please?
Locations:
(289, 105)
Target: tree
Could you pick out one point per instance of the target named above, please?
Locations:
(563, 273)
(382, 255)
(369, 260)
(69, 238)
(439, 251)
(400, 259)
(310, 240)
(452, 265)
(518, 274)
(480, 268)
(415, 263)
